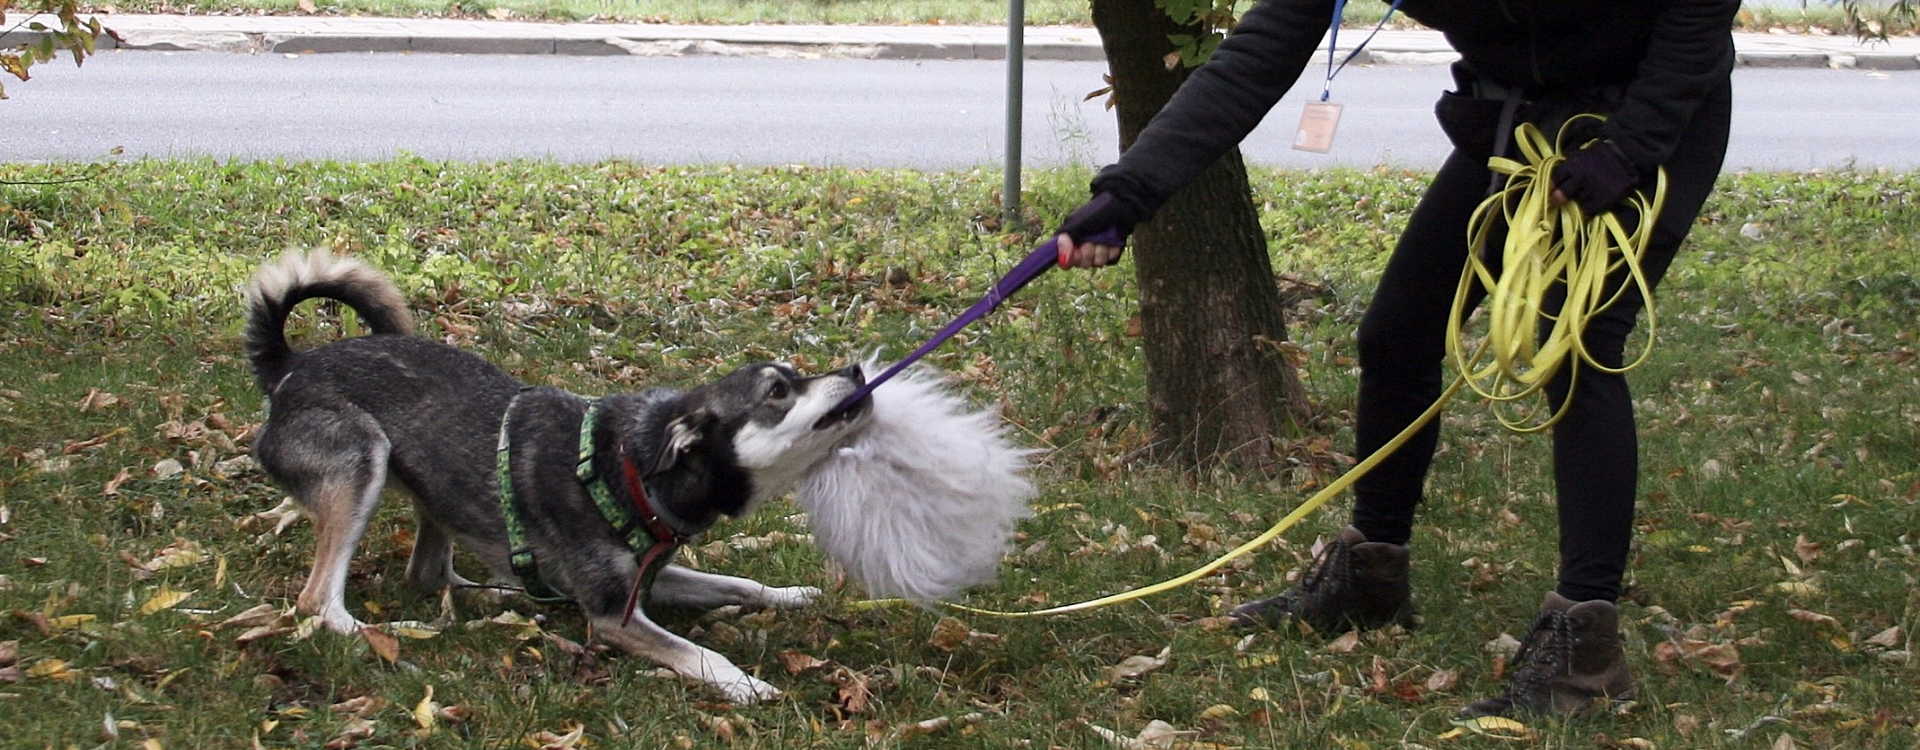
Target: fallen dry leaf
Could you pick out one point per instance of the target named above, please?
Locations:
(1157, 735)
(1722, 658)
(1495, 726)
(181, 553)
(1505, 645)
(1888, 638)
(854, 695)
(1135, 666)
(281, 516)
(934, 726)
(1345, 644)
(1805, 550)
(567, 739)
(97, 399)
(950, 634)
(425, 712)
(356, 731)
(256, 616)
(9, 653)
(1443, 680)
(1812, 618)
(165, 598)
(361, 706)
(796, 662)
(384, 644)
(50, 669)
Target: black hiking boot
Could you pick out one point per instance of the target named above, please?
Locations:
(1353, 583)
(1570, 663)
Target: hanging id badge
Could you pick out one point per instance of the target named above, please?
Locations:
(1321, 119)
(1317, 125)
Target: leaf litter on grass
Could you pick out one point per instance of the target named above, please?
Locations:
(1785, 445)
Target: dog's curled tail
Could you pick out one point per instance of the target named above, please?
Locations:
(298, 276)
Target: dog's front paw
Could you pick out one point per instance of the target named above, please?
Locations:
(748, 689)
(791, 597)
(340, 622)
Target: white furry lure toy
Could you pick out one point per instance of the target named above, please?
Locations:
(922, 503)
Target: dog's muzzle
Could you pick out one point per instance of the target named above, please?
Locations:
(845, 413)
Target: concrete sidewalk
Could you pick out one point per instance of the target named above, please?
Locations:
(325, 34)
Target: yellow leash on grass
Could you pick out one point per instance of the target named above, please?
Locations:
(1546, 245)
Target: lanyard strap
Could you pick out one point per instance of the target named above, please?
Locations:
(1333, 38)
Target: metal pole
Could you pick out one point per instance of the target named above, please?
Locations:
(1016, 60)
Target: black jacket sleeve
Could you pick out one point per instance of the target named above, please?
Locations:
(1221, 101)
(1689, 55)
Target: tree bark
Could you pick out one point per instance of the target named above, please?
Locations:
(1219, 384)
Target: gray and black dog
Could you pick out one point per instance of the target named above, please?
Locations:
(390, 409)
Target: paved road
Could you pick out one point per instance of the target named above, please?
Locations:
(759, 110)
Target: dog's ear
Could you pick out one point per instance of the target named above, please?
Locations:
(683, 434)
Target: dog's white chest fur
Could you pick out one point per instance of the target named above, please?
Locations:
(921, 504)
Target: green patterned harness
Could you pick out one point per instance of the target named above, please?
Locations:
(641, 525)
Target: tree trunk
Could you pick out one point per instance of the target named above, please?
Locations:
(1219, 385)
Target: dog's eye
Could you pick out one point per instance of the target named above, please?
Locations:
(778, 390)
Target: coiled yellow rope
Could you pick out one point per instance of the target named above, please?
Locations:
(1546, 245)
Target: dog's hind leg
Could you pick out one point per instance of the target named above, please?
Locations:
(641, 637)
(685, 587)
(430, 568)
(336, 468)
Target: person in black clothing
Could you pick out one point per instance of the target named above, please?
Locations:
(1659, 71)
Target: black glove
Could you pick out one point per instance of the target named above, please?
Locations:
(1597, 177)
(1105, 212)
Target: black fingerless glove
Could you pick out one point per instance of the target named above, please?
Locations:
(1106, 212)
(1597, 177)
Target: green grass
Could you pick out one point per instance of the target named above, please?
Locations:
(1780, 431)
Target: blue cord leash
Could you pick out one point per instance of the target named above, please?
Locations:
(1042, 258)
(1333, 38)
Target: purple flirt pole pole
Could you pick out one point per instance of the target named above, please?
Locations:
(1042, 258)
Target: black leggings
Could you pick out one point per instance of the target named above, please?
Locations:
(1595, 446)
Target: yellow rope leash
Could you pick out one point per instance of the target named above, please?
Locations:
(1546, 245)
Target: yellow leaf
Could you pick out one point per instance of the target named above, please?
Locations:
(69, 622)
(220, 572)
(150, 744)
(1251, 661)
(411, 629)
(1798, 588)
(1259, 694)
(1219, 711)
(423, 712)
(1495, 726)
(52, 669)
(177, 555)
(165, 598)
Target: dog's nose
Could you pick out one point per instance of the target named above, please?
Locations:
(854, 373)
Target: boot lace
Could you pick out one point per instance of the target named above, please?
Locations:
(1546, 653)
(1333, 568)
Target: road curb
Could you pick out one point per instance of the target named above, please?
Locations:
(336, 35)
